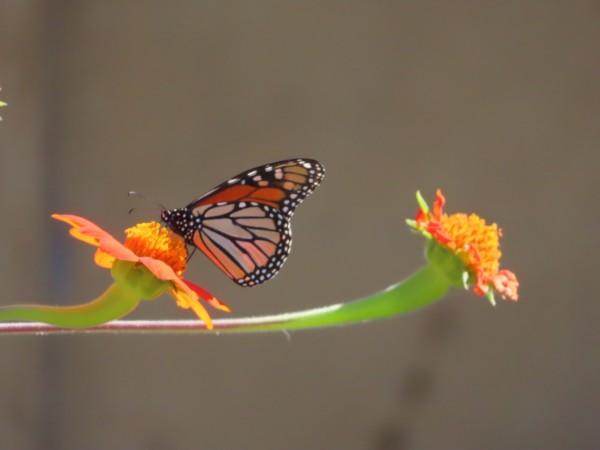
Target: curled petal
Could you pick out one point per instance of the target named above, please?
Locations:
(505, 282)
(438, 204)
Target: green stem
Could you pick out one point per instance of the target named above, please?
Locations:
(423, 288)
(117, 301)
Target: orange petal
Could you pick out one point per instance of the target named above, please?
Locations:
(164, 272)
(83, 229)
(207, 296)
(104, 259)
(77, 234)
(186, 301)
(159, 269)
(89, 232)
(114, 248)
(76, 222)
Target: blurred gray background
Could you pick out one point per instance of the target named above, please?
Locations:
(497, 103)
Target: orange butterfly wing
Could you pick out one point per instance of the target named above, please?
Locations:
(243, 225)
(278, 184)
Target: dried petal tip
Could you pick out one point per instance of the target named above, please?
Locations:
(475, 242)
(506, 283)
(152, 240)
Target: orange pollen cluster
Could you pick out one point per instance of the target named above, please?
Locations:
(152, 240)
(474, 240)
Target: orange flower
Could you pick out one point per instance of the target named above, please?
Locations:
(157, 249)
(475, 242)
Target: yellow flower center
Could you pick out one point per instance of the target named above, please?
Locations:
(152, 240)
(475, 241)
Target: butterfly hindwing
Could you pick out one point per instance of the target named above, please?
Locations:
(249, 244)
(243, 225)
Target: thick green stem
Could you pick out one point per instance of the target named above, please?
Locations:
(423, 288)
(117, 301)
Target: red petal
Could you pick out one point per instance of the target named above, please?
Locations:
(207, 296)
(435, 229)
(421, 217)
(438, 205)
(481, 284)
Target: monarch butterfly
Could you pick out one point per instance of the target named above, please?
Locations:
(243, 225)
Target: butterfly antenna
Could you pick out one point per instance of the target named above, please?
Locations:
(143, 197)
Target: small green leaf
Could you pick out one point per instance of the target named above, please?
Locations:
(422, 203)
(465, 277)
(490, 296)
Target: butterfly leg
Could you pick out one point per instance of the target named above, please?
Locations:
(191, 254)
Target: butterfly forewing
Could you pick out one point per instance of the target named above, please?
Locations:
(282, 184)
(243, 225)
